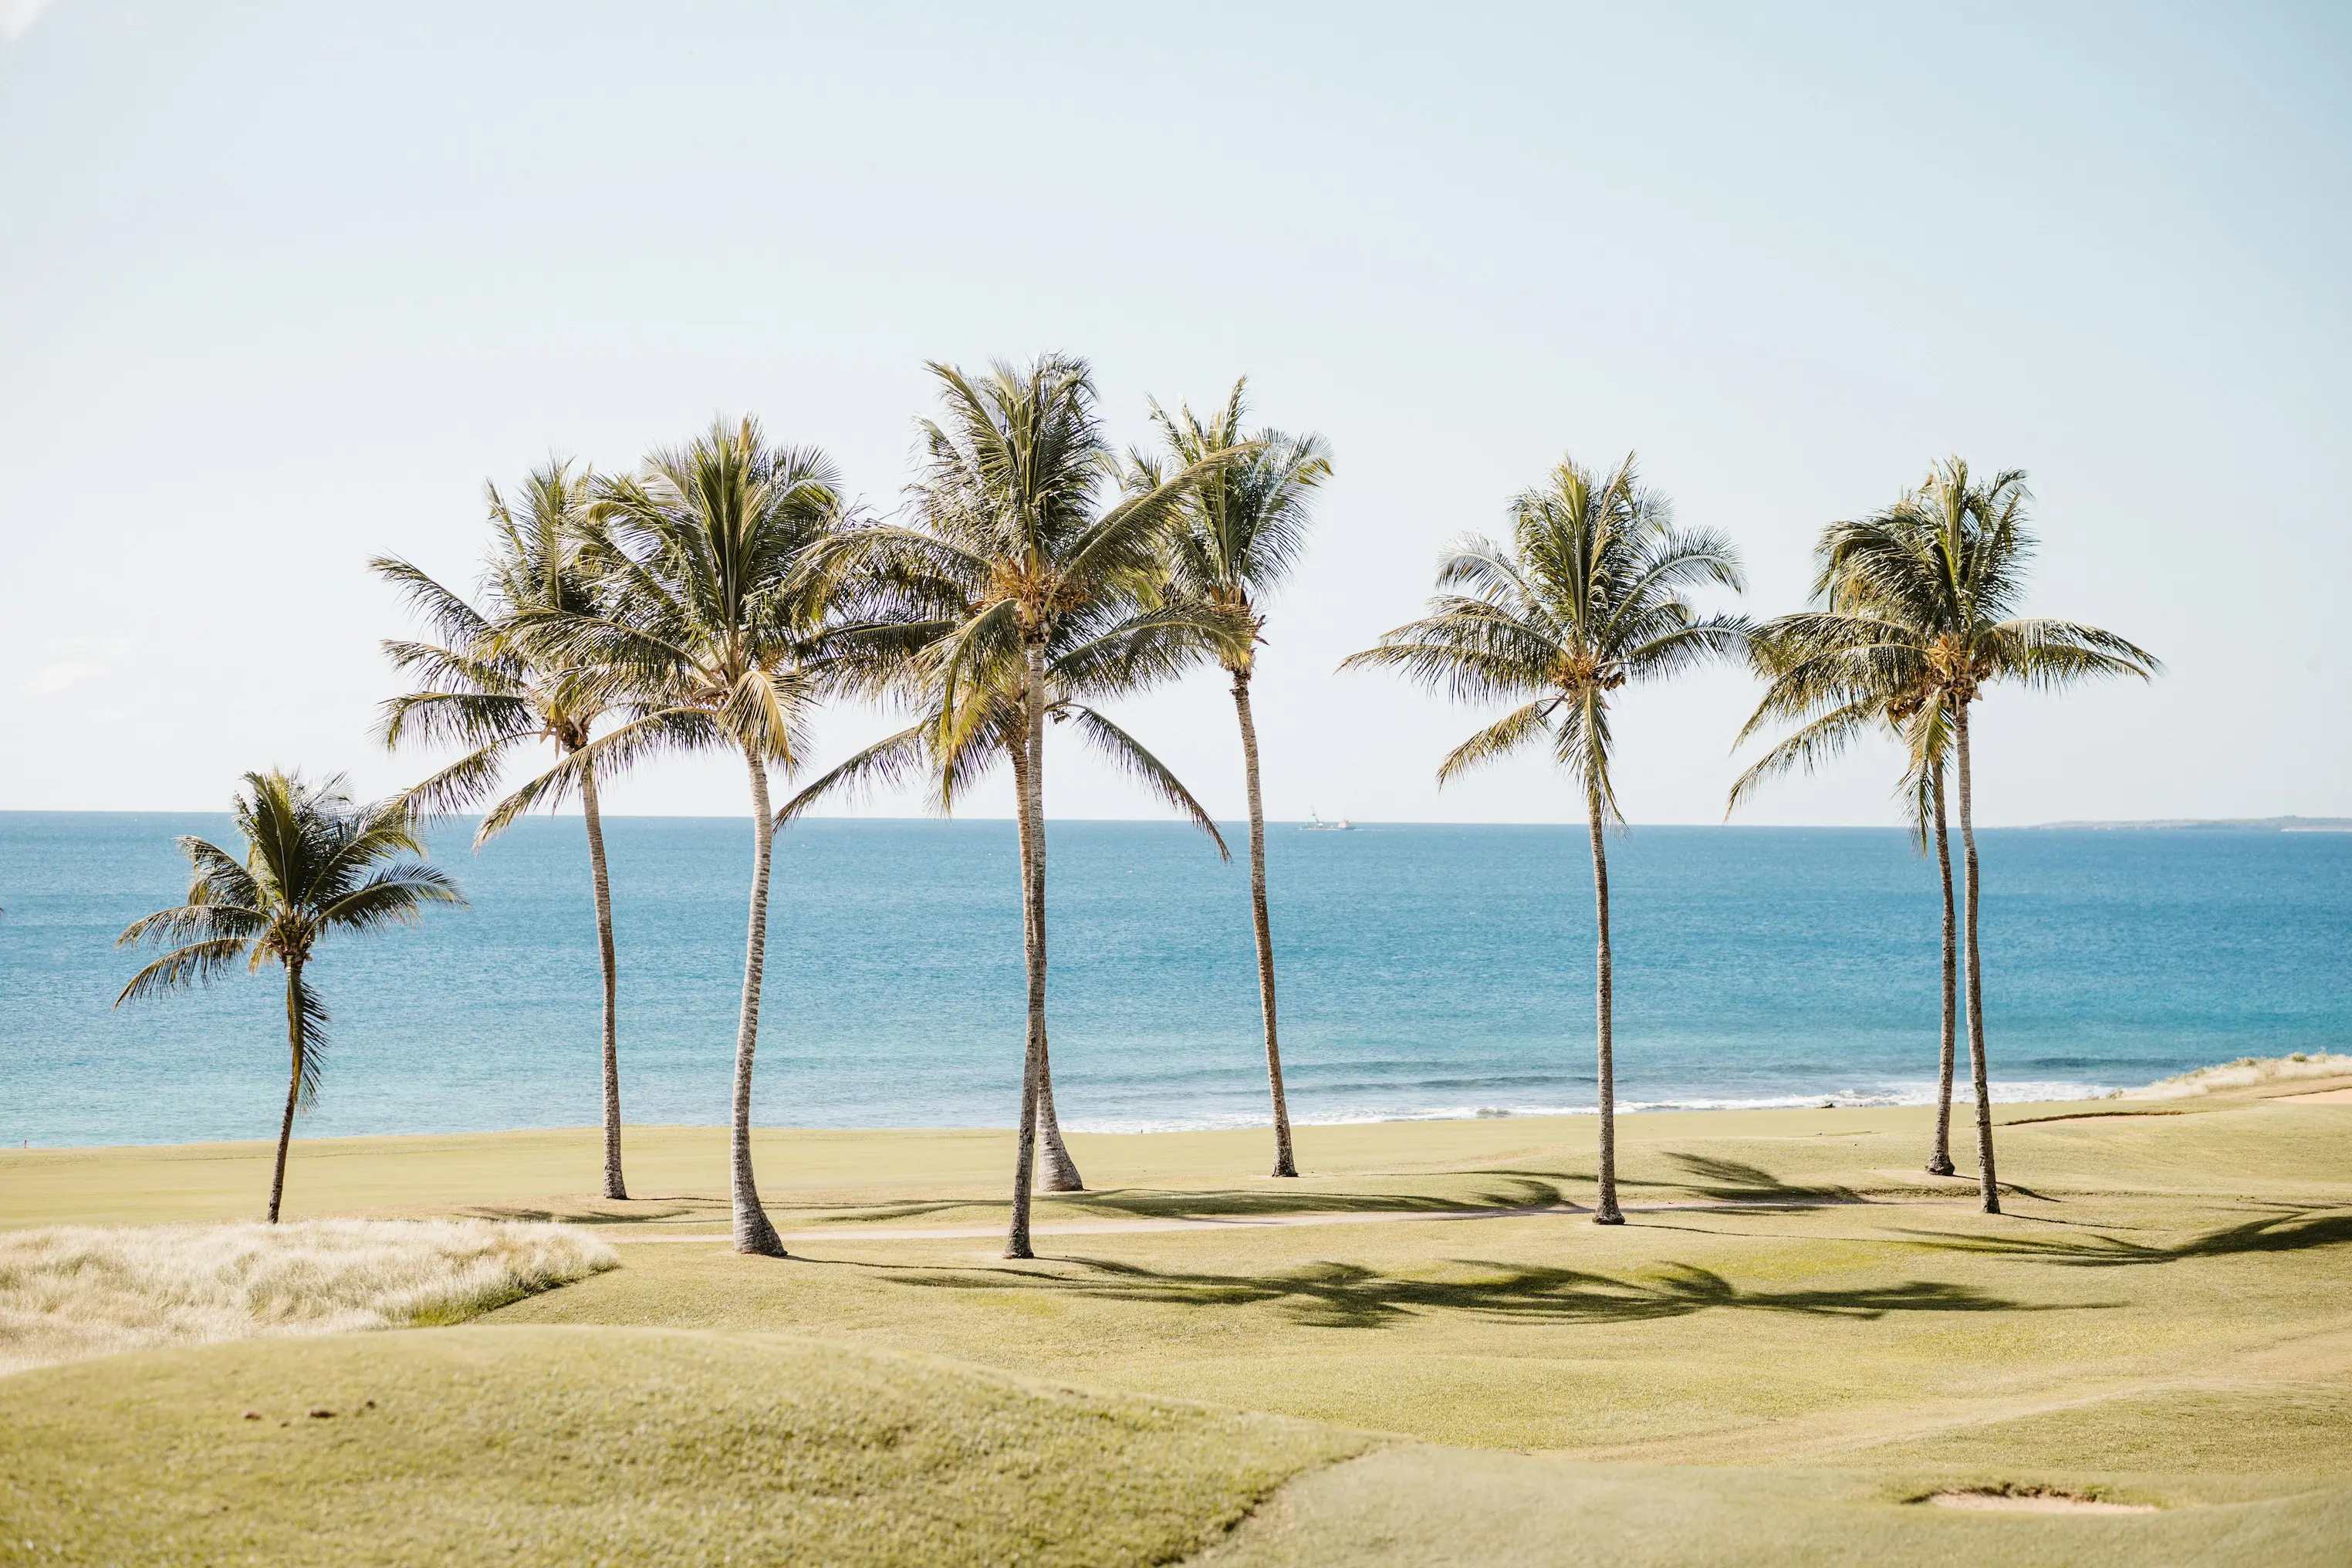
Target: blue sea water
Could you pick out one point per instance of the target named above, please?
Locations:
(1425, 971)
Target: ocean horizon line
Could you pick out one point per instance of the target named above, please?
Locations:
(1577, 824)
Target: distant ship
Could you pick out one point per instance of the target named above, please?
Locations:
(1319, 825)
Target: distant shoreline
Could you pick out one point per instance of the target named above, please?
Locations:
(2218, 823)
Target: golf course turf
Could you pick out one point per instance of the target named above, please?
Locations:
(1417, 1353)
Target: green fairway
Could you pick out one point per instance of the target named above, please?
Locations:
(554, 1445)
(1796, 1335)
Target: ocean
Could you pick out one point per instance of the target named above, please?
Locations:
(1424, 972)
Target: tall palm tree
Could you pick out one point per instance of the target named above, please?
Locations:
(487, 693)
(1836, 674)
(1951, 560)
(1244, 525)
(314, 864)
(711, 630)
(1033, 568)
(1587, 596)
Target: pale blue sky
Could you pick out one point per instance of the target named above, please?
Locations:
(280, 285)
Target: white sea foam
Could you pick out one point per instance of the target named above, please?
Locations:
(2013, 1092)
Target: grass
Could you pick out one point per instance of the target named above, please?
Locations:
(568, 1446)
(69, 1292)
(1804, 1334)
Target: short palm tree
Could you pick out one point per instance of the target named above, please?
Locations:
(1035, 574)
(710, 628)
(1838, 674)
(314, 865)
(1587, 597)
(487, 692)
(1243, 527)
(1949, 561)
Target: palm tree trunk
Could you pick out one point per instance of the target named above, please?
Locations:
(1016, 1240)
(294, 1083)
(1939, 1159)
(754, 1234)
(1060, 1171)
(613, 1187)
(1989, 1184)
(1605, 1210)
(1285, 1162)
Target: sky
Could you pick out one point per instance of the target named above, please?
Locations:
(281, 286)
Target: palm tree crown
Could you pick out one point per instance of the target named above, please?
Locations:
(480, 686)
(709, 621)
(1245, 521)
(1587, 597)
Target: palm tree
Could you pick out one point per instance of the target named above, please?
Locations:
(711, 630)
(1244, 526)
(487, 692)
(314, 864)
(1951, 560)
(1587, 597)
(1035, 574)
(1836, 673)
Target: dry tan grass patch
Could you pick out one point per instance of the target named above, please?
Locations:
(2247, 1072)
(2028, 1499)
(69, 1293)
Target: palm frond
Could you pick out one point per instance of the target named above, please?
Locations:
(198, 964)
(1129, 756)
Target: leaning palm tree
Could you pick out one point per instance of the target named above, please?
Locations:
(710, 627)
(1950, 560)
(1587, 596)
(1838, 674)
(1035, 568)
(1243, 527)
(314, 865)
(484, 691)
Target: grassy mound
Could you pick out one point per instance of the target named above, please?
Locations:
(68, 1291)
(2247, 1073)
(557, 1446)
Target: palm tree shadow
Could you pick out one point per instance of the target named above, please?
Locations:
(1350, 1296)
(1516, 1192)
(1734, 1181)
(599, 1211)
(2287, 1230)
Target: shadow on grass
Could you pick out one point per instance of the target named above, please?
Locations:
(1350, 1296)
(1730, 1180)
(1516, 1192)
(602, 1212)
(2289, 1230)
